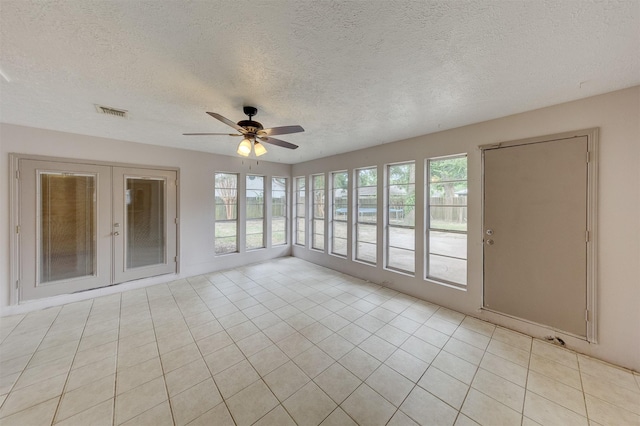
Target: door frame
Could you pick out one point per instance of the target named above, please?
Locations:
(14, 210)
(592, 135)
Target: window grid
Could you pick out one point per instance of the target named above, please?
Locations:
(317, 209)
(400, 216)
(226, 213)
(367, 216)
(279, 204)
(300, 214)
(340, 213)
(254, 206)
(447, 220)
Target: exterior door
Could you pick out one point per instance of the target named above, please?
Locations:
(64, 232)
(84, 226)
(535, 228)
(144, 223)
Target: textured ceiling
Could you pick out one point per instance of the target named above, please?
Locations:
(352, 73)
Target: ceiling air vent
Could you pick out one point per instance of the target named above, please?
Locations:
(112, 111)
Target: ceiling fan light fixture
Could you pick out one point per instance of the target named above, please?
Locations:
(259, 149)
(244, 148)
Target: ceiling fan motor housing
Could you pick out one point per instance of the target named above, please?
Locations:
(250, 125)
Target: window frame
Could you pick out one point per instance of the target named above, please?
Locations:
(300, 213)
(358, 222)
(388, 225)
(429, 229)
(246, 211)
(284, 209)
(333, 219)
(215, 215)
(314, 219)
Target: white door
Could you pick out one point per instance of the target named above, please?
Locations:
(65, 233)
(144, 223)
(535, 225)
(84, 226)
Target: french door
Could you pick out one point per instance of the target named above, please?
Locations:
(84, 226)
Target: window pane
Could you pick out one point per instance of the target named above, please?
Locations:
(448, 244)
(448, 218)
(447, 268)
(255, 236)
(401, 259)
(300, 210)
(278, 211)
(226, 213)
(67, 226)
(366, 252)
(278, 231)
(339, 238)
(402, 238)
(367, 214)
(367, 233)
(340, 246)
(448, 169)
(145, 222)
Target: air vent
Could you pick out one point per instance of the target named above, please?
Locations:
(112, 111)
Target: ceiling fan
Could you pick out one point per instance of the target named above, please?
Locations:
(253, 133)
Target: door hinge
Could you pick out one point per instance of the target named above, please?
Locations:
(586, 315)
(18, 229)
(17, 284)
(586, 236)
(175, 259)
(588, 156)
(17, 174)
(176, 220)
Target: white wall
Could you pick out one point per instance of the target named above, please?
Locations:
(617, 114)
(195, 191)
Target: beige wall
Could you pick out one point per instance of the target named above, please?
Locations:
(195, 193)
(617, 114)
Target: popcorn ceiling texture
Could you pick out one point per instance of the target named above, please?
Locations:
(352, 73)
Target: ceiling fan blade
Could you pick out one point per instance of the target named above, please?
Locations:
(283, 130)
(227, 122)
(278, 142)
(214, 134)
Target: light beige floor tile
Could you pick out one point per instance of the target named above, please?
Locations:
(464, 350)
(7, 382)
(454, 366)
(45, 356)
(43, 372)
(611, 393)
(555, 353)
(295, 344)
(499, 389)
(218, 416)
(174, 341)
(609, 414)
(200, 331)
(64, 336)
(506, 369)
(463, 420)
(235, 378)
(254, 343)
(378, 348)
(195, 401)
(286, 380)
(360, 363)
(441, 325)
(37, 415)
(431, 336)
(279, 331)
(252, 403)
(393, 386)
(138, 355)
(266, 320)
(180, 357)
(98, 415)
(85, 397)
(560, 393)
(94, 354)
(425, 408)
(300, 321)
(336, 346)
(488, 411)
(420, 349)
(449, 315)
(510, 353)
(214, 342)
(545, 412)
(13, 365)
(407, 365)
(338, 418)
(354, 333)
(309, 405)
(89, 373)
(608, 372)
(33, 395)
(401, 419)
(276, 417)
(472, 338)
(135, 340)
(242, 330)
(556, 371)
(313, 361)
(405, 324)
(268, 359)
(513, 338)
(393, 335)
(316, 332)
(478, 326)
(132, 377)
(223, 358)
(89, 342)
(186, 376)
(366, 407)
(337, 382)
(445, 387)
(160, 415)
(140, 399)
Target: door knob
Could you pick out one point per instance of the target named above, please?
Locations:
(490, 242)
(489, 231)
(116, 233)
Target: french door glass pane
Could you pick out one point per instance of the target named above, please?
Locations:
(448, 244)
(67, 226)
(401, 259)
(448, 268)
(278, 231)
(145, 228)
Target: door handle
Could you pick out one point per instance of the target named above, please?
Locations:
(489, 231)
(490, 242)
(116, 233)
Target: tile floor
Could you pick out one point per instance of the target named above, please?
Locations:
(285, 343)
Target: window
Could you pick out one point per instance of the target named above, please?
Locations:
(367, 218)
(340, 212)
(278, 211)
(300, 210)
(401, 197)
(447, 220)
(226, 213)
(254, 202)
(317, 208)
